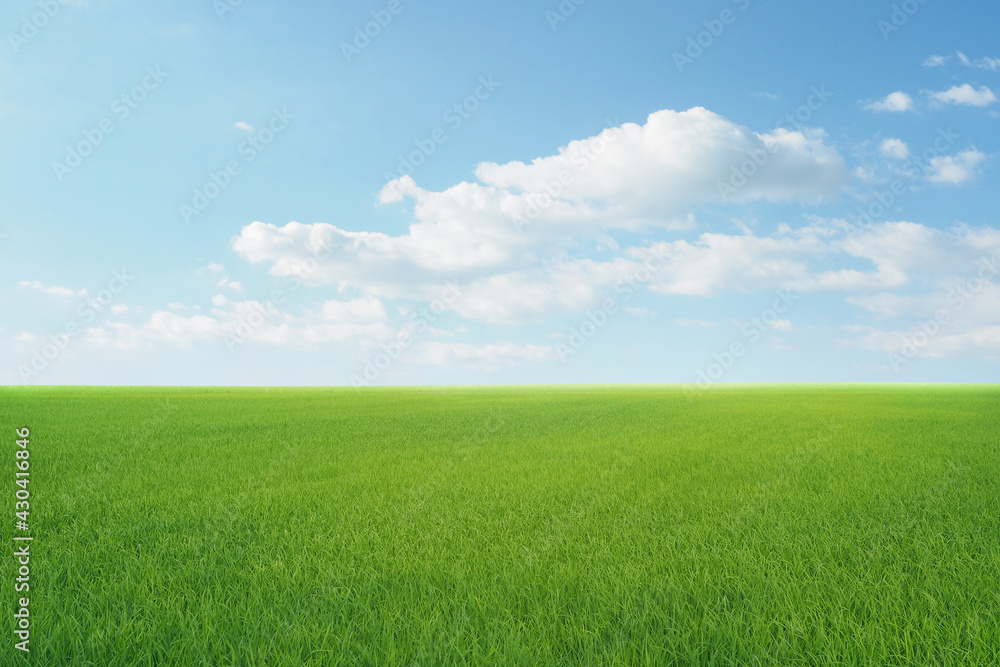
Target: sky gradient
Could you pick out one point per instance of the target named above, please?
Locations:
(397, 192)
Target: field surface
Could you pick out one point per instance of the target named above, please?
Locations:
(751, 525)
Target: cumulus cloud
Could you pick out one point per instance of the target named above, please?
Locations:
(162, 327)
(895, 149)
(888, 270)
(637, 179)
(674, 160)
(507, 237)
(62, 292)
(891, 255)
(966, 95)
(360, 320)
(894, 255)
(955, 169)
(956, 316)
(919, 255)
(716, 262)
(231, 284)
(893, 102)
(986, 63)
(950, 340)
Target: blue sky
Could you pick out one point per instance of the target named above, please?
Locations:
(254, 192)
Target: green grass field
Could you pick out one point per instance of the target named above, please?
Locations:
(752, 525)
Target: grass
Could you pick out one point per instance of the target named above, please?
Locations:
(753, 525)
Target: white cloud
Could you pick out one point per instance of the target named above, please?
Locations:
(981, 63)
(979, 342)
(889, 270)
(950, 342)
(955, 169)
(631, 178)
(216, 268)
(966, 95)
(895, 148)
(985, 63)
(162, 327)
(351, 321)
(646, 178)
(893, 102)
(897, 254)
(246, 127)
(532, 295)
(891, 255)
(119, 309)
(906, 253)
(231, 284)
(717, 262)
(676, 159)
(62, 292)
(956, 315)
